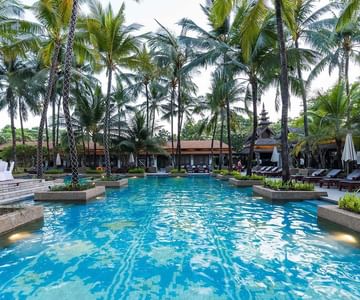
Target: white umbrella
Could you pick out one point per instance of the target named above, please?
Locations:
(349, 152)
(131, 158)
(58, 160)
(275, 155)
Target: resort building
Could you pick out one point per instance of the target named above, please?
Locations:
(265, 142)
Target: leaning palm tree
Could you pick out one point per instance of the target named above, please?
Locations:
(54, 17)
(115, 45)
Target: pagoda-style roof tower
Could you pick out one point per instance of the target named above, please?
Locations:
(264, 118)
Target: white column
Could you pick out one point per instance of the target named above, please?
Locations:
(191, 159)
(210, 160)
(155, 161)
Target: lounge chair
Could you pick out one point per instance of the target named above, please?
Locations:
(270, 172)
(317, 179)
(353, 176)
(201, 169)
(276, 173)
(189, 169)
(262, 171)
(351, 182)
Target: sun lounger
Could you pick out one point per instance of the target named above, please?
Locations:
(350, 185)
(317, 179)
(353, 176)
(270, 172)
(262, 171)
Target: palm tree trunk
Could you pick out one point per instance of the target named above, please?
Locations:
(153, 123)
(51, 82)
(212, 143)
(284, 84)
(107, 125)
(338, 152)
(47, 140)
(178, 146)
(54, 126)
(21, 122)
(58, 123)
(10, 101)
(254, 94)
(66, 92)
(147, 122)
(94, 157)
(304, 99)
(347, 82)
(172, 123)
(228, 122)
(221, 140)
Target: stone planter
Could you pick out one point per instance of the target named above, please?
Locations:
(138, 175)
(112, 184)
(17, 217)
(178, 174)
(245, 183)
(287, 195)
(70, 196)
(340, 216)
(223, 177)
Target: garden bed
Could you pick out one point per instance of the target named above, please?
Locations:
(112, 183)
(340, 216)
(287, 195)
(12, 218)
(70, 196)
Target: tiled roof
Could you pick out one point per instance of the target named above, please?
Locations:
(197, 145)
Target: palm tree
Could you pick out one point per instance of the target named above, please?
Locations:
(89, 115)
(304, 19)
(66, 94)
(137, 138)
(115, 46)
(256, 16)
(54, 17)
(173, 55)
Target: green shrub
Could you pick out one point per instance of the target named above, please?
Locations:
(246, 177)
(176, 171)
(280, 185)
(217, 171)
(350, 202)
(72, 188)
(136, 171)
(94, 171)
(54, 171)
(235, 173)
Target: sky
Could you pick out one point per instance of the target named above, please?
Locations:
(168, 13)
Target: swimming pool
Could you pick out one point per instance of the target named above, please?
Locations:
(180, 238)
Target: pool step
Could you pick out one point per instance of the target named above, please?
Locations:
(17, 191)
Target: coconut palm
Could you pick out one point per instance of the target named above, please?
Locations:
(115, 45)
(251, 24)
(137, 138)
(174, 55)
(66, 95)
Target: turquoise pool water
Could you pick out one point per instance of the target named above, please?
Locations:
(186, 238)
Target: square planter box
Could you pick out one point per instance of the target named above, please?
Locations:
(340, 216)
(223, 177)
(70, 196)
(245, 183)
(113, 184)
(16, 217)
(287, 195)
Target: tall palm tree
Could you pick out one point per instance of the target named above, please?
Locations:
(115, 46)
(257, 15)
(304, 19)
(66, 95)
(54, 17)
(173, 55)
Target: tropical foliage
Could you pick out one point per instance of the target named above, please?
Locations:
(250, 47)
